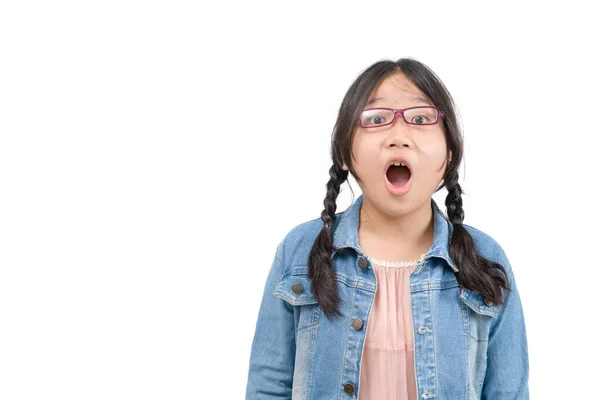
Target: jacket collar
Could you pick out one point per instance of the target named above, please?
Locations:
(345, 232)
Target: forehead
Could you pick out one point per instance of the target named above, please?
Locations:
(396, 90)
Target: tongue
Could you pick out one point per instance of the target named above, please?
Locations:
(398, 176)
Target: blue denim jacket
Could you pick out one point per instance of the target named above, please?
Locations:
(464, 347)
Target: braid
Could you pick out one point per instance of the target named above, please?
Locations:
(336, 177)
(320, 264)
(474, 272)
(454, 203)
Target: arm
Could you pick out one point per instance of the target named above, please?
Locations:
(507, 355)
(273, 348)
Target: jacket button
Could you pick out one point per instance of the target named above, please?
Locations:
(349, 388)
(297, 288)
(362, 263)
(357, 323)
(488, 302)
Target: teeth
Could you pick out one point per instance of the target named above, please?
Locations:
(398, 163)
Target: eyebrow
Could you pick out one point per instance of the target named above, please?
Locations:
(416, 98)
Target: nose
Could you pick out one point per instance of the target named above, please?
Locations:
(399, 123)
(399, 132)
(398, 117)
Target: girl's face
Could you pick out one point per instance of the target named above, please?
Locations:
(423, 147)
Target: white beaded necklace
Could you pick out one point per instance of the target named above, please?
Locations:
(396, 264)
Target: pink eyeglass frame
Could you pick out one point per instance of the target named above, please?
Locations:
(401, 112)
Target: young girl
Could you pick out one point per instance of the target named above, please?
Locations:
(391, 299)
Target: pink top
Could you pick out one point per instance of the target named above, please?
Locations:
(387, 367)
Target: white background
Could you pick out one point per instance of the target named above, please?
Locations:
(153, 154)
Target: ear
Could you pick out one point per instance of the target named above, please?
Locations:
(450, 156)
(345, 167)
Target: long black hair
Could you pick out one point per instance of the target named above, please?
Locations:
(475, 272)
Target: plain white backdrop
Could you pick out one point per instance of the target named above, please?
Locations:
(153, 154)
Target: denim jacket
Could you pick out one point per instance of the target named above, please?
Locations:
(464, 347)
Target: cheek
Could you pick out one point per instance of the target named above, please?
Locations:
(433, 155)
(365, 151)
(434, 149)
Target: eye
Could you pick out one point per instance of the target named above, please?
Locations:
(376, 120)
(421, 115)
(376, 117)
(420, 119)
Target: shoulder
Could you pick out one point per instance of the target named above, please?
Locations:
(489, 248)
(297, 243)
(303, 233)
(485, 243)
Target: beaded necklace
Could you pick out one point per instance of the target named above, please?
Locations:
(396, 264)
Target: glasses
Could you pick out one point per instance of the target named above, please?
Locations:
(422, 115)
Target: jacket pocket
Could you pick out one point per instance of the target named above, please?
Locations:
(477, 314)
(296, 289)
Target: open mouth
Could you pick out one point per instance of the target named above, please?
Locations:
(398, 175)
(398, 180)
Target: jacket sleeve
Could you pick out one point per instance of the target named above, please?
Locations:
(273, 348)
(507, 372)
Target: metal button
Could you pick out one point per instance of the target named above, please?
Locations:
(488, 302)
(349, 388)
(357, 323)
(362, 263)
(297, 288)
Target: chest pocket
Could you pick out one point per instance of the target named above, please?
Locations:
(477, 314)
(296, 289)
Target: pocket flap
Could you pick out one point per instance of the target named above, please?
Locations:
(296, 290)
(476, 302)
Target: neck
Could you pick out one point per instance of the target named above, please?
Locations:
(413, 230)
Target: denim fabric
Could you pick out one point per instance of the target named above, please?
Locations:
(464, 348)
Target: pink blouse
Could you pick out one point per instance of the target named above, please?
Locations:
(387, 366)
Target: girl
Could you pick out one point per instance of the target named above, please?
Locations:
(391, 299)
